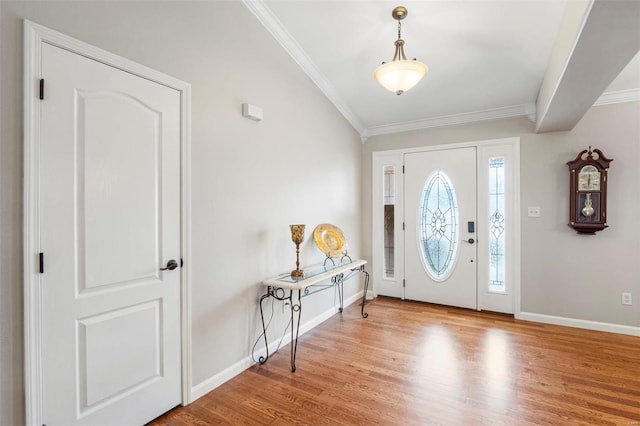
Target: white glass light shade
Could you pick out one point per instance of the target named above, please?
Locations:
(400, 76)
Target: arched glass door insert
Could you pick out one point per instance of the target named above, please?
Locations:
(438, 226)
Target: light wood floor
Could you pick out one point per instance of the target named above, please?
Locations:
(413, 363)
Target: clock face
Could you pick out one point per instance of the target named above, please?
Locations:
(589, 179)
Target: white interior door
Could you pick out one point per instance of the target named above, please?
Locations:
(440, 221)
(109, 221)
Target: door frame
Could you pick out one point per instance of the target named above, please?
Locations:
(395, 287)
(35, 36)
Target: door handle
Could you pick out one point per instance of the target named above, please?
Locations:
(470, 241)
(171, 265)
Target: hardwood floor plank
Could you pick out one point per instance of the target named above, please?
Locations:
(412, 363)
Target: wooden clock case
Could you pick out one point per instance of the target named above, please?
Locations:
(595, 198)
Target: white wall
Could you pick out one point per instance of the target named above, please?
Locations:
(250, 180)
(563, 274)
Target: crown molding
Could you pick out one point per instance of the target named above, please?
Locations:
(277, 30)
(619, 96)
(525, 110)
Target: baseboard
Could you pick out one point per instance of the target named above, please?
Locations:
(579, 323)
(227, 374)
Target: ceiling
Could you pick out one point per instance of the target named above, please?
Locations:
(488, 59)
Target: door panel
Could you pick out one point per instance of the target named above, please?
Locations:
(110, 219)
(135, 361)
(109, 125)
(440, 252)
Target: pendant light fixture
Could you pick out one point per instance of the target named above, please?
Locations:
(400, 74)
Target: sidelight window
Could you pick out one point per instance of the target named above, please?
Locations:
(389, 198)
(497, 267)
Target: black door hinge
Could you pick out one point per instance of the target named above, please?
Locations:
(403, 226)
(41, 260)
(181, 262)
(41, 88)
(403, 169)
(404, 284)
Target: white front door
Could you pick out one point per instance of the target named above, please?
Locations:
(440, 221)
(109, 218)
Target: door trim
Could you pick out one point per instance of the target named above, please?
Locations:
(35, 36)
(388, 157)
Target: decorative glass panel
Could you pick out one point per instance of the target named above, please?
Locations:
(389, 197)
(497, 266)
(438, 226)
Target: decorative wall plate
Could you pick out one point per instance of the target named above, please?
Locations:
(330, 240)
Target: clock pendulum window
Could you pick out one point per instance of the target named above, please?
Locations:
(588, 191)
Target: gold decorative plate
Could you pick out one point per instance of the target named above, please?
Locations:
(330, 240)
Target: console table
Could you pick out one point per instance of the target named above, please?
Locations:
(317, 278)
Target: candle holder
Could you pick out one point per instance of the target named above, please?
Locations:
(297, 236)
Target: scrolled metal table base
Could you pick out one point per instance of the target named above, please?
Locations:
(296, 308)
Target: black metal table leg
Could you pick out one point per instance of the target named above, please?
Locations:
(264, 359)
(296, 308)
(366, 288)
(338, 281)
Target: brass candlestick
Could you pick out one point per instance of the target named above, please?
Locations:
(297, 236)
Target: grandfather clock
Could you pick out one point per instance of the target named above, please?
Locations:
(588, 191)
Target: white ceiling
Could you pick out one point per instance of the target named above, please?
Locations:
(487, 58)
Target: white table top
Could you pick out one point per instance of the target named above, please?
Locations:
(313, 274)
